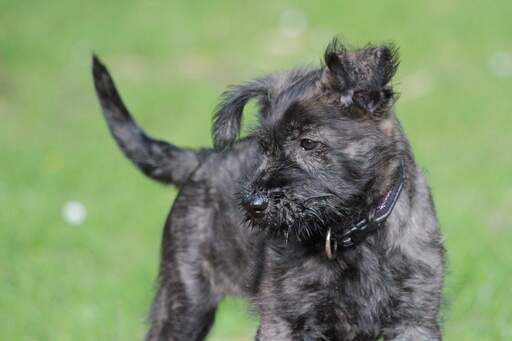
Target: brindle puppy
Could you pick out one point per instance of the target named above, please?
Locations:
(320, 216)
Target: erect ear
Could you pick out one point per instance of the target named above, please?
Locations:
(361, 78)
(228, 115)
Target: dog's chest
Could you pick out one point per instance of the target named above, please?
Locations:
(323, 299)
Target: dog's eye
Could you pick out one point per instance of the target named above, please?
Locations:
(308, 144)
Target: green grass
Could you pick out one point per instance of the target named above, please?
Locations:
(171, 60)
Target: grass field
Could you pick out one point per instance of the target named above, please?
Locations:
(171, 60)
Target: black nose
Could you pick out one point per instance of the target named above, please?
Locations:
(256, 204)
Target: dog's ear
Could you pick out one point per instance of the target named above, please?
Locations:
(228, 116)
(361, 78)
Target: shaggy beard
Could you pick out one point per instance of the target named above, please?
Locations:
(291, 221)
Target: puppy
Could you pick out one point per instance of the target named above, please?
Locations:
(320, 216)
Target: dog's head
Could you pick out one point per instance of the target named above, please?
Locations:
(328, 139)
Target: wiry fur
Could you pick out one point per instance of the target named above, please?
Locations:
(388, 286)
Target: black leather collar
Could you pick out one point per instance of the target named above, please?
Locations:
(375, 218)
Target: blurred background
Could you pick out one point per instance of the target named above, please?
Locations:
(80, 227)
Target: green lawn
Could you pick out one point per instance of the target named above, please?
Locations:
(171, 60)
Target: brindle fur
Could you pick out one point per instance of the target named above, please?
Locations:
(388, 286)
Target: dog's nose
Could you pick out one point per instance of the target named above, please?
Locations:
(256, 204)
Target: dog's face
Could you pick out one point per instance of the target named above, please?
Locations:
(325, 137)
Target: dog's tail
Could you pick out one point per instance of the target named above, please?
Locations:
(158, 160)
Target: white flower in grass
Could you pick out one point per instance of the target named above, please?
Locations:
(74, 212)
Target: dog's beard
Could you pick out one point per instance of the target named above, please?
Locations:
(305, 218)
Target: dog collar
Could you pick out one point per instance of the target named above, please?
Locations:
(376, 217)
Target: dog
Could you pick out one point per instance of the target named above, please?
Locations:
(320, 216)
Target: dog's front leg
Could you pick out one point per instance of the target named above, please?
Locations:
(415, 333)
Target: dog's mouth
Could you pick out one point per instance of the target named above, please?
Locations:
(257, 215)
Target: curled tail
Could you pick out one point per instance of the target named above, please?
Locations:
(157, 159)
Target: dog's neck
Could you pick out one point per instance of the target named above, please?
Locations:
(375, 217)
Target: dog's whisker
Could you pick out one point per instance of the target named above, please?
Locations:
(316, 197)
